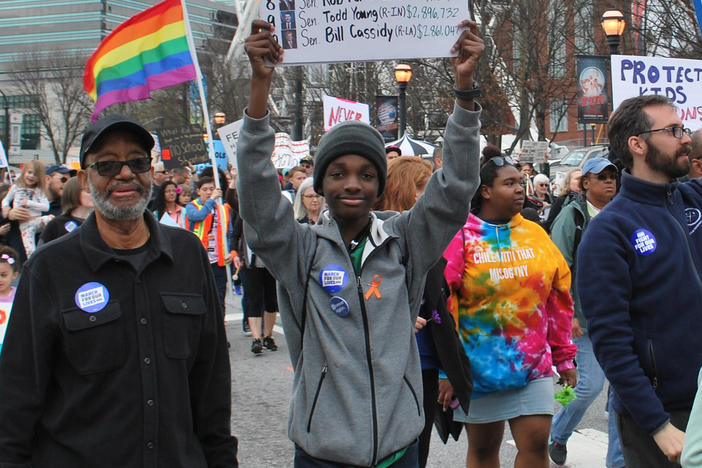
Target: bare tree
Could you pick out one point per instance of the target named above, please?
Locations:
(55, 82)
(530, 46)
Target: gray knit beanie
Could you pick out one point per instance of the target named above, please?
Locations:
(351, 137)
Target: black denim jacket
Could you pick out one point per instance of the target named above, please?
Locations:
(140, 378)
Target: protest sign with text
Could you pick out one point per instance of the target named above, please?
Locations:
(182, 145)
(229, 135)
(287, 153)
(340, 110)
(323, 31)
(678, 79)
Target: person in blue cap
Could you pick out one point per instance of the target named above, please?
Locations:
(56, 178)
(598, 185)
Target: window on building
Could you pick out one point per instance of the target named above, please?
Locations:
(558, 116)
(31, 132)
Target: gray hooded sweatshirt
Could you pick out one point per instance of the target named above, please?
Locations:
(357, 388)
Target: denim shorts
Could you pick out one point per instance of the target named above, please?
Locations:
(534, 398)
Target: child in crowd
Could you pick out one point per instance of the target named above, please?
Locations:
(210, 222)
(185, 193)
(350, 286)
(29, 191)
(8, 273)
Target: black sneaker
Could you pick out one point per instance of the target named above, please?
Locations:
(245, 327)
(269, 343)
(257, 347)
(558, 453)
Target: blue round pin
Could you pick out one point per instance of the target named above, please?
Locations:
(333, 278)
(339, 306)
(92, 297)
(644, 242)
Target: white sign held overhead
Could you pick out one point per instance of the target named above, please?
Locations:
(678, 79)
(288, 153)
(229, 134)
(323, 31)
(338, 110)
(533, 151)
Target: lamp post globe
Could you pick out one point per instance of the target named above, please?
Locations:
(613, 25)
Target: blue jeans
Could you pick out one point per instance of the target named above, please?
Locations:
(591, 380)
(615, 457)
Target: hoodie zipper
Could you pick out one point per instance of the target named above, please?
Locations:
(652, 357)
(316, 395)
(366, 334)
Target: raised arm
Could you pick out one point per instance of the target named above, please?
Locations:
(444, 207)
(261, 47)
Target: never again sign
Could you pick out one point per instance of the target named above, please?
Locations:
(323, 31)
(340, 110)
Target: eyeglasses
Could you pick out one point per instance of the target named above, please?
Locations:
(500, 161)
(312, 196)
(112, 168)
(677, 132)
(63, 179)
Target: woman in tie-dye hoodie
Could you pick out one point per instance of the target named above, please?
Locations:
(510, 292)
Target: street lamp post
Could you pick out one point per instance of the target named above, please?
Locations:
(403, 75)
(613, 24)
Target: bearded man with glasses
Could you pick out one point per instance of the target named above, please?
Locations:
(116, 354)
(638, 279)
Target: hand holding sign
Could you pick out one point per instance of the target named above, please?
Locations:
(262, 48)
(469, 48)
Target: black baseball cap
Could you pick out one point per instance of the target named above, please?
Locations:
(110, 123)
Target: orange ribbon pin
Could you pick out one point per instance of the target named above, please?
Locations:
(377, 279)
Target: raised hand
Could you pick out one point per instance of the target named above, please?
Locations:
(263, 50)
(469, 48)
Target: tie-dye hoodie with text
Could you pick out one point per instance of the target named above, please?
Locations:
(510, 288)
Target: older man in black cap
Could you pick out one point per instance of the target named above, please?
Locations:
(116, 353)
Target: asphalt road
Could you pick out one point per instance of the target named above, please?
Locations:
(260, 395)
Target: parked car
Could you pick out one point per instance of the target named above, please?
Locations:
(577, 158)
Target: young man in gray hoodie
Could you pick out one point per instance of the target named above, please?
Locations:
(350, 286)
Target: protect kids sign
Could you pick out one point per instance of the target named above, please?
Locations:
(678, 79)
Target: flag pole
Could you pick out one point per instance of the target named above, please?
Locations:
(206, 117)
(201, 91)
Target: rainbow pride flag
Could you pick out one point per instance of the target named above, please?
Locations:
(149, 51)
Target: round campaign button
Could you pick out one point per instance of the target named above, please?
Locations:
(339, 306)
(92, 297)
(333, 278)
(70, 226)
(644, 242)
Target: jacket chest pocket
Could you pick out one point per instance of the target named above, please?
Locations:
(182, 324)
(95, 342)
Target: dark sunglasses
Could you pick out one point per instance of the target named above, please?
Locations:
(112, 168)
(602, 176)
(500, 161)
(63, 179)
